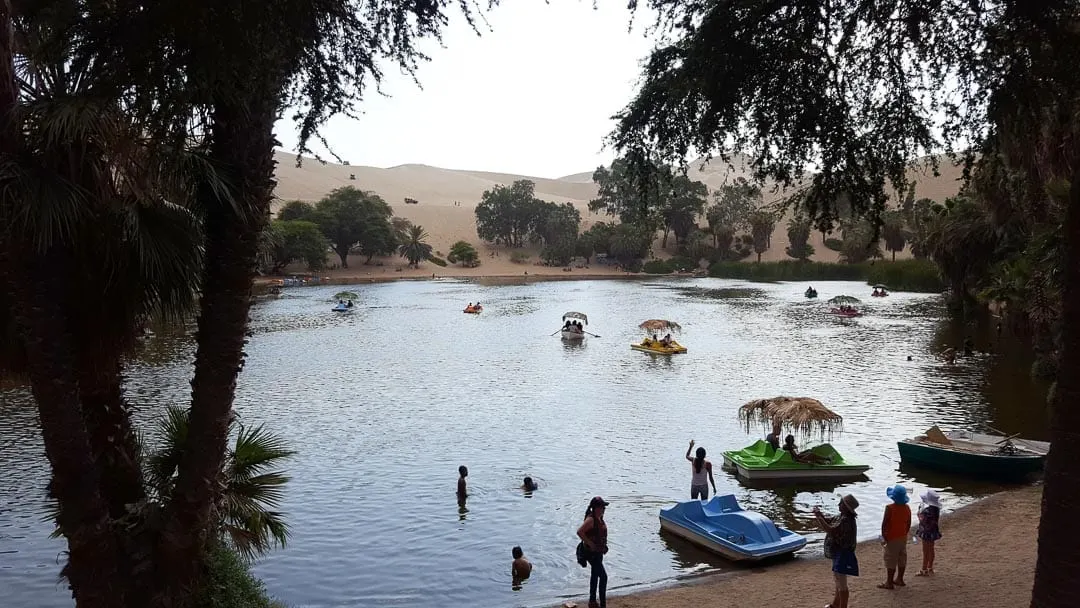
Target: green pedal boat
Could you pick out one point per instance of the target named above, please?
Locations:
(760, 462)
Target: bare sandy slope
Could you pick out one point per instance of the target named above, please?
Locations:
(986, 559)
(447, 198)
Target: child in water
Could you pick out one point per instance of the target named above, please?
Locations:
(521, 568)
(529, 485)
(462, 491)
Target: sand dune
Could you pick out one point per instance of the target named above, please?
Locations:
(447, 197)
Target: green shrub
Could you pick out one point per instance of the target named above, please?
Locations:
(657, 267)
(437, 261)
(229, 583)
(519, 257)
(682, 264)
(834, 243)
(787, 270)
(906, 275)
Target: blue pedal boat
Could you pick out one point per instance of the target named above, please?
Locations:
(723, 527)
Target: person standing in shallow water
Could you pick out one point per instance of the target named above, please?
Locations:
(700, 473)
(841, 534)
(593, 533)
(462, 489)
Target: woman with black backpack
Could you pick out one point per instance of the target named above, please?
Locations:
(591, 550)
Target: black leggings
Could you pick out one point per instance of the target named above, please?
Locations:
(599, 575)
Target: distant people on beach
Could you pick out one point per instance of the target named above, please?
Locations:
(593, 535)
(462, 488)
(529, 485)
(700, 474)
(520, 569)
(928, 532)
(773, 438)
(895, 528)
(841, 534)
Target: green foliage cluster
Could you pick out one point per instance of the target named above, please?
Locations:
(464, 253)
(230, 584)
(434, 259)
(670, 265)
(512, 216)
(834, 244)
(798, 231)
(519, 257)
(904, 275)
(350, 220)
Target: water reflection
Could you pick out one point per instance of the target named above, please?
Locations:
(499, 392)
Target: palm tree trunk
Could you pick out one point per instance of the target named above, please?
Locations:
(92, 568)
(36, 282)
(108, 422)
(243, 145)
(1056, 582)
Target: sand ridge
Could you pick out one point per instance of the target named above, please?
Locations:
(447, 200)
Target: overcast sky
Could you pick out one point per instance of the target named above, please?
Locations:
(533, 97)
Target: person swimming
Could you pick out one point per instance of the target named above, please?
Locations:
(529, 485)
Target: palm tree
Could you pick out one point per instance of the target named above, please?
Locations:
(415, 247)
(251, 489)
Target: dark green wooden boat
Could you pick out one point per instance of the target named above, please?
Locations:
(975, 455)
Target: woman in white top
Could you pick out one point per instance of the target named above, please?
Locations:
(701, 471)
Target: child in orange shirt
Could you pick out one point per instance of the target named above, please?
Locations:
(895, 527)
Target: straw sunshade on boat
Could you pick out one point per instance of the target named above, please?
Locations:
(845, 300)
(798, 414)
(660, 325)
(346, 295)
(576, 315)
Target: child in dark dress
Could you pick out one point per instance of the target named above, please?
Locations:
(928, 531)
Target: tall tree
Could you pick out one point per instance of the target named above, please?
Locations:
(349, 217)
(297, 210)
(297, 240)
(555, 223)
(894, 232)
(796, 86)
(416, 248)
(732, 205)
(507, 214)
(798, 232)
(634, 196)
(762, 223)
(685, 202)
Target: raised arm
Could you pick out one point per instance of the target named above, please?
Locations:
(688, 457)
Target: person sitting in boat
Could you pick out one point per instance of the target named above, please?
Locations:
(666, 341)
(803, 457)
(348, 304)
(578, 327)
(773, 438)
(568, 326)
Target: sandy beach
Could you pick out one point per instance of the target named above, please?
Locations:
(986, 558)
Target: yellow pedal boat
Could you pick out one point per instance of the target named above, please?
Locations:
(655, 347)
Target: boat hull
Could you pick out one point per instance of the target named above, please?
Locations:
(759, 462)
(572, 336)
(341, 310)
(722, 527)
(674, 349)
(985, 466)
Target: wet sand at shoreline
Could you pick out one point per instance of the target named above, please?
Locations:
(986, 558)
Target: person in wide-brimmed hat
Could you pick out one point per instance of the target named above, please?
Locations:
(895, 527)
(928, 531)
(841, 534)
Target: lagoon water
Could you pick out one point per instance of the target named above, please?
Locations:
(383, 404)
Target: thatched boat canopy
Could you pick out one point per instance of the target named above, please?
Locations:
(795, 414)
(660, 325)
(844, 300)
(576, 315)
(346, 295)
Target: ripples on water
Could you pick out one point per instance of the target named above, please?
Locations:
(382, 406)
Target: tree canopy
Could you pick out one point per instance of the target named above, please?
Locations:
(463, 252)
(295, 240)
(349, 218)
(507, 214)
